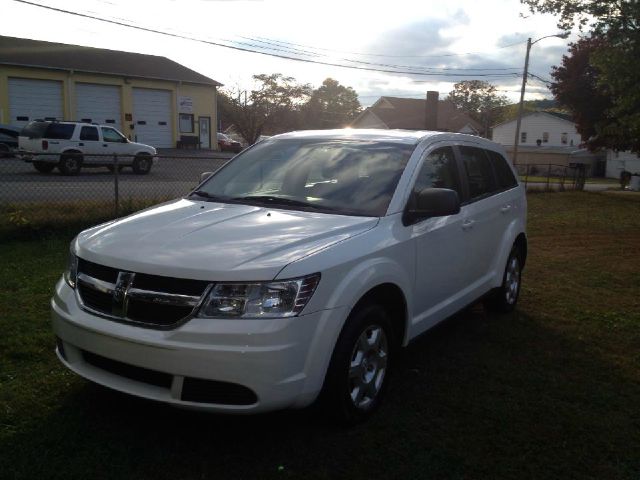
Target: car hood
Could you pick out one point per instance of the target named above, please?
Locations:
(215, 241)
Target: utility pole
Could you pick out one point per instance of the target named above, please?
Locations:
(525, 74)
(521, 105)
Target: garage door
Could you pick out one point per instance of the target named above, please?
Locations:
(98, 104)
(34, 99)
(152, 117)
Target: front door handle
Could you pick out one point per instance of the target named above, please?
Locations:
(505, 209)
(468, 224)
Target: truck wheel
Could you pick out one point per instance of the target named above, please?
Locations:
(70, 164)
(358, 374)
(142, 164)
(44, 167)
(504, 298)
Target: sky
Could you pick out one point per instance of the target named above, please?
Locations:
(448, 41)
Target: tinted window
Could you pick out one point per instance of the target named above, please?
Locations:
(439, 171)
(478, 172)
(356, 177)
(34, 130)
(506, 178)
(111, 135)
(60, 131)
(89, 133)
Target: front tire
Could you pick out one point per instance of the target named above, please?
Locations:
(44, 167)
(358, 374)
(504, 298)
(142, 164)
(70, 164)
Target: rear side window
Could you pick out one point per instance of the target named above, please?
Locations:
(439, 171)
(34, 130)
(59, 131)
(89, 134)
(478, 172)
(504, 174)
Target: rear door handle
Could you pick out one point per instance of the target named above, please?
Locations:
(505, 209)
(468, 224)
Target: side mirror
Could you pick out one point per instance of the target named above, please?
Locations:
(204, 176)
(431, 202)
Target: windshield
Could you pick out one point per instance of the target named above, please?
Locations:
(353, 177)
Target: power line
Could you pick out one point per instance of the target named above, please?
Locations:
(275, 55)
(276, 42)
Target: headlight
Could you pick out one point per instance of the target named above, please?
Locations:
(71, 274)
(259, 300)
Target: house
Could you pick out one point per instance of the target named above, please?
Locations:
(416, 114)
(549, 129)
(618, 162)
(548, 138)
(151, 99)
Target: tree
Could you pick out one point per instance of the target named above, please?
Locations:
(577, 87)
(480, 100)
(612, 65)
(331, 106)
(273, 106)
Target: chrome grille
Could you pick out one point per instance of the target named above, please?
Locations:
(150, 300)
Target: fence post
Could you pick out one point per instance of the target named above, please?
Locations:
(116, 173)
(548, 175)
(526, 177)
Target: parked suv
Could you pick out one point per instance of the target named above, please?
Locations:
(8, 140)
(73, 145)
(295, 272)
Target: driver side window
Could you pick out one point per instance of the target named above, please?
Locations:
(439, 171)
(110, 135)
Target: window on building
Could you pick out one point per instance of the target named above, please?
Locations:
(523, 137)
(545, 137)
(186, 123)
(89, 134)
(564, 137)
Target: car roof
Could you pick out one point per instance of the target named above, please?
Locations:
(10, 128)
(409, 137)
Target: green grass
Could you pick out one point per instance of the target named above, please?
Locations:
(551, 391)
(568, 180)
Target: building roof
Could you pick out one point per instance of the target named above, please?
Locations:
(409, 113)
(60, 56)
(561, 116)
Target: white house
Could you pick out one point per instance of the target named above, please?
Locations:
(620, 161)
(552, 129)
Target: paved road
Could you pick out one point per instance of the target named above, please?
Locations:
(170, 177)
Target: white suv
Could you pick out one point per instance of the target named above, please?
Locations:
(295, 272)
(73, 145)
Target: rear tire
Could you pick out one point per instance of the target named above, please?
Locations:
(358, 374)
(504, 298)
(142, 164)
(5, 151)
(44, 167)
(70, 164)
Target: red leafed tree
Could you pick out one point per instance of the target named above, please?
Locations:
(576, 87)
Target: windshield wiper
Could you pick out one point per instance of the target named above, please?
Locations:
(202, 193)
(275, 200)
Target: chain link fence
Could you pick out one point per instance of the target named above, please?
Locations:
(106, 186)
(549, 177)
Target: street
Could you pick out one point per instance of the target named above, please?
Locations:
(171, 176)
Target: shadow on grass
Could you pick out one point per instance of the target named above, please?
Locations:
(480, 396)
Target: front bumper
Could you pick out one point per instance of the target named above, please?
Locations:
(282, 361)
